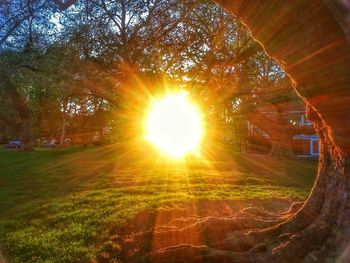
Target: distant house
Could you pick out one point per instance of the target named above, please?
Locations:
(303, 145)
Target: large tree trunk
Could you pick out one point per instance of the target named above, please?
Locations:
(311, 46)
(282, 138)
(281, 145)
(63, 130)
(64, 123)
(21, 107)
(26, 129)
(281, 135)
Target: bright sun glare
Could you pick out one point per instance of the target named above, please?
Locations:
(174, 125)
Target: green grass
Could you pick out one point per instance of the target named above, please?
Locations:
(58, 205)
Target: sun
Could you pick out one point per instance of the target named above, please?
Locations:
(174, 125)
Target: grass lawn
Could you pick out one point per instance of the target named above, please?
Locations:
(58, 205)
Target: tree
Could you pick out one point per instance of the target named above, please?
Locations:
(314, 51)
(215, 52)
(206, 55)
(11, 67)
(16, 15)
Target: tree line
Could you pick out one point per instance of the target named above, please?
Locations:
(76, 67)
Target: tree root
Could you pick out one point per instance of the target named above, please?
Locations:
(290, 247)
(212, 229)
(272, 244)
(197, 254)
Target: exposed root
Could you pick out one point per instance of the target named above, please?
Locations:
(242, 245)
(197, 254)
(295, 207)
(188, 235)
(290, 247)
(215, 230)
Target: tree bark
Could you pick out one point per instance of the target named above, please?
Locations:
(64, 123)
(26, 129)
(281, 135)
(23, 111)
(281, 146)
(63, 130)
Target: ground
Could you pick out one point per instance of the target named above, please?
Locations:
(98, 204)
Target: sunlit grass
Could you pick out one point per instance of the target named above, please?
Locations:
(58, 205)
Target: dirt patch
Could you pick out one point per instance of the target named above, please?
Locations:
(152, 235)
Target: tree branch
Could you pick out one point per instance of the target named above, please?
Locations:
(64, 5)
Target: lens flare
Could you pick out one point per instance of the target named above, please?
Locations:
(174, 125)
